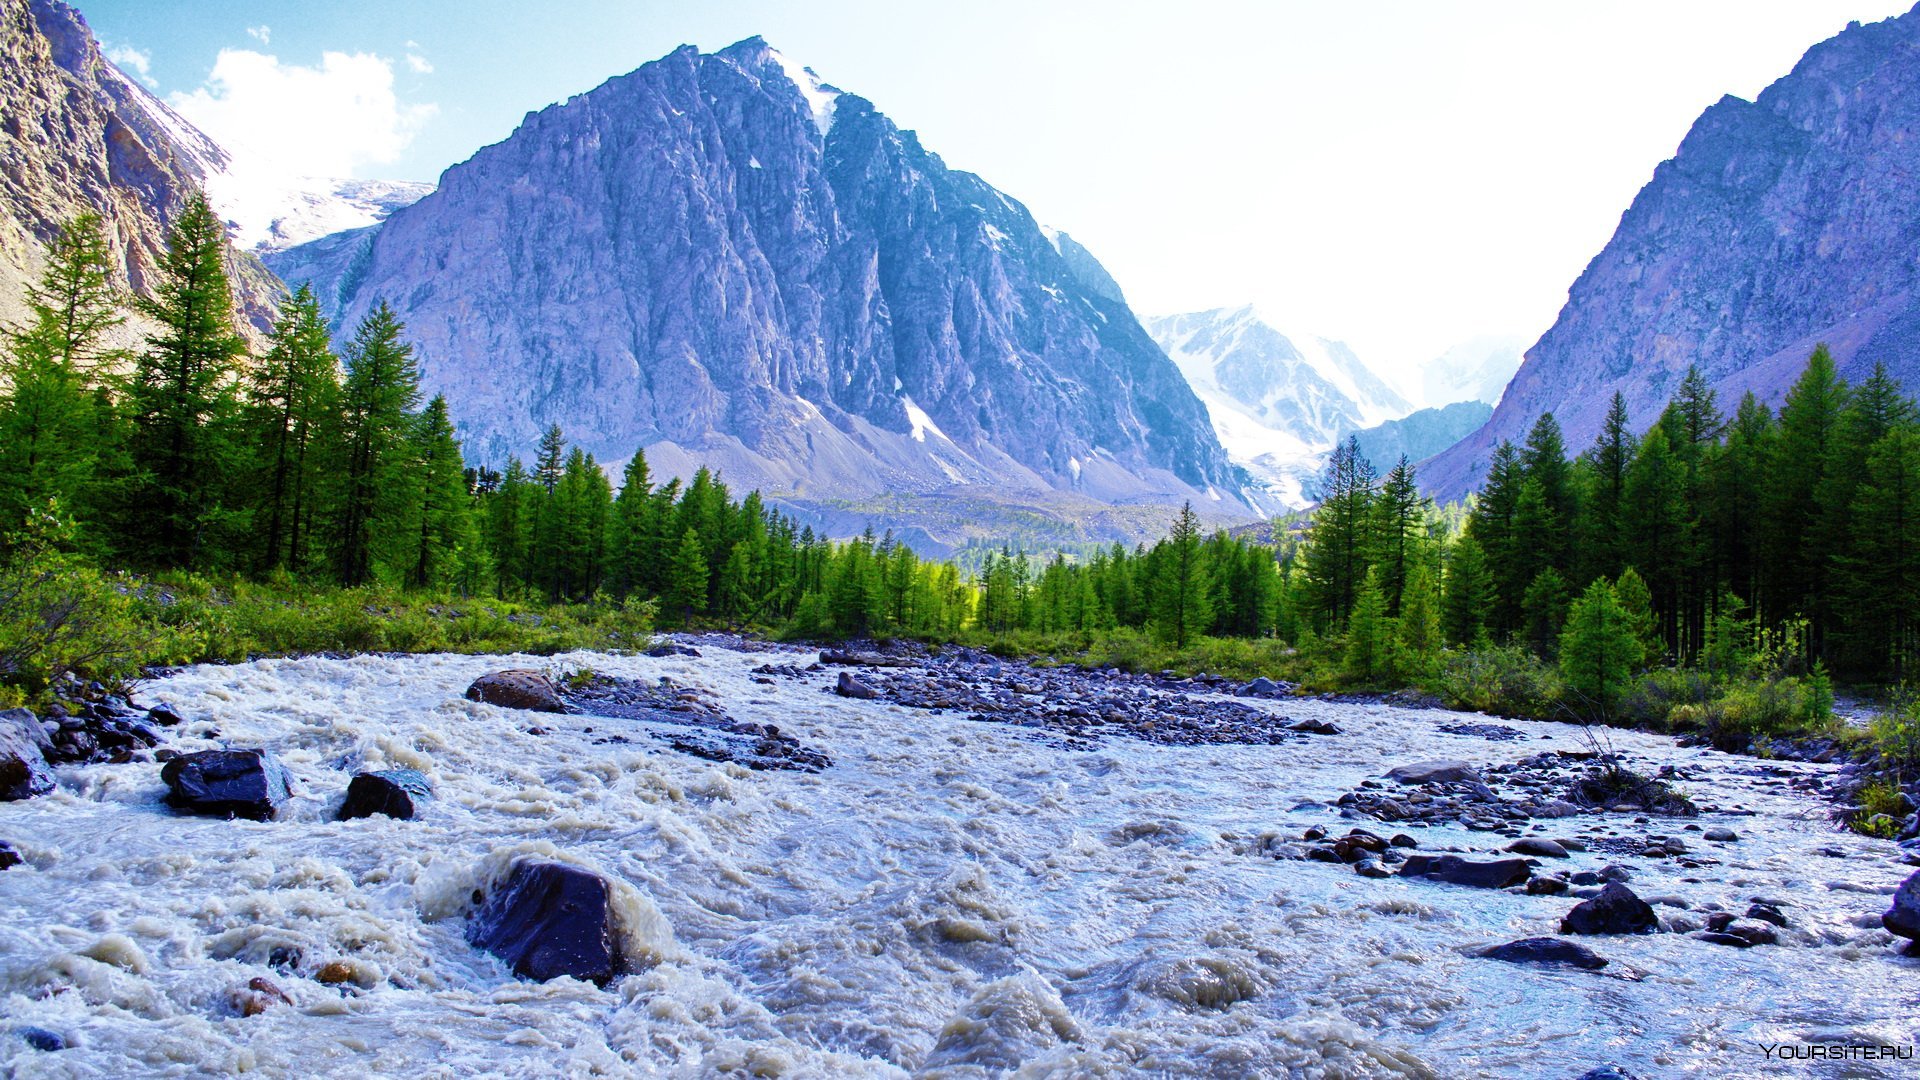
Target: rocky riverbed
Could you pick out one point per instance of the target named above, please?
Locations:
(888, 865)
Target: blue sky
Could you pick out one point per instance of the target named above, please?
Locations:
(1403, 175)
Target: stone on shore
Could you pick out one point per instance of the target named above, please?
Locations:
(1903, 918)
(851, 687)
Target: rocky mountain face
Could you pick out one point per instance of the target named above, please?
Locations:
(76, 135)
(1421, 434)
(1278, 401)
(727, 262)
(1780, 223)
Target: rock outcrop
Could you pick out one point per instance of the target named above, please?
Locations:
(724, 261)
(81, 136)
(1778, 224)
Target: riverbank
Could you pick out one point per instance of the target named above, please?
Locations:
(969, 884)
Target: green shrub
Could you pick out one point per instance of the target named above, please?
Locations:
(1655, 697)
(1896, 733)
(1880, 810)
(1508, 680)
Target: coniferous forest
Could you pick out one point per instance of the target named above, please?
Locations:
(1720, 569)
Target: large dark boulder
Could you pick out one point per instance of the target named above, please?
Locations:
(396, 793)
(1617, 910)
(1546, 950)
(1498, 874)
(1903, 918)
(23, 759)
(517, 689)
(550, 919)
(227, 783)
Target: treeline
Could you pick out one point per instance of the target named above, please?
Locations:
(189, 455)
(1713, 535)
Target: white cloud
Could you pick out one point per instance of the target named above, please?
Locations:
(324, 121)
(262, 33)
(136, 62)
(419, 64)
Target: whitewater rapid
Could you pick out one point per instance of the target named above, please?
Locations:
(949, 898)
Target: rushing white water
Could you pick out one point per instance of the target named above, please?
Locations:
(950, 898)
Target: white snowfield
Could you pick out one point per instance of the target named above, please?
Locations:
(950, 898)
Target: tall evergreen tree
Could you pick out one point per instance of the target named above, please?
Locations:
(293, 401)
(440, 521)
(51, 418)
(381, 391)
(181, 396)
(1181, 603)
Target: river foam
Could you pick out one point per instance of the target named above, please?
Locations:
(949, 898)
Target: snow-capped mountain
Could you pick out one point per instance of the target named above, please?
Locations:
(1474, 370)
(725, 261)
(267, 207)
(1278, 401)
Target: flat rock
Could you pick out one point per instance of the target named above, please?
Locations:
(517, 688)
(23, 756)
(1617, 910)
(395, 793)
(1498, 874)
(1313, 727)
(226, 783)
(1539, 847)
(1546, 950)
(1720, 834)
(1434, 772)
(550, 919)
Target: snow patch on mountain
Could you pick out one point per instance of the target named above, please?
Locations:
(267, 207)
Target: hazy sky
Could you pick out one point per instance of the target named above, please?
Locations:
(1403, 175)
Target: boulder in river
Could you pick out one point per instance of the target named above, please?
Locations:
(1498, 874)
(9, 856)
(549, 919)
(1903, 918)
(23, 759)
(1546, 950)
(851, 686)
(1313, 727)
(1617, 910)
(1434, 772)
(517, 688)
(226, 783)
(1539, 847)
(396, 793)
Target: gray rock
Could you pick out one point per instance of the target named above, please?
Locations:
(1498, 874)
(1903, 918)
(226, 783)
(1434, 772)
(1538, 846)
(517, 689)
(395, 793)
(1546, 950)
(1615, 911)
(850, 686)
(1720, 834)
(550, 919)
(23, 759)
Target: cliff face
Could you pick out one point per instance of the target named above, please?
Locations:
(722, 260)
(1780, 223)
(77, 135)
